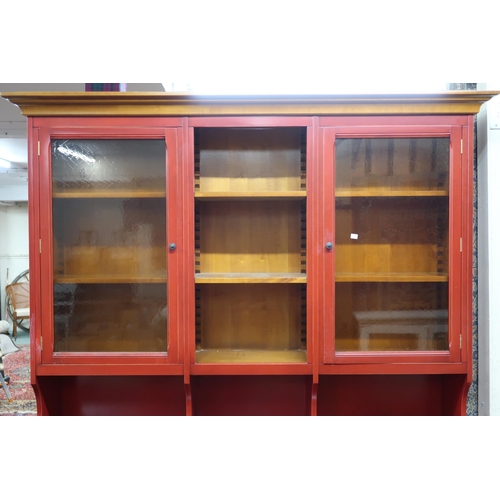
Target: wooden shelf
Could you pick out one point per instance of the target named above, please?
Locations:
(250, 356)
(250, 278)
(108, 193)
(392, 277)
(388, 192)
(108, 279)
(256, 195)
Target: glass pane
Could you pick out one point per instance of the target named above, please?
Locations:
(393, 166)
(108, 166)
(109, 246)
(391, 253)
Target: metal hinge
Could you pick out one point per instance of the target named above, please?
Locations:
(461, 146)
(38, 148)
(41, 343)
(460, 245)
(40, 245)
(460, 341)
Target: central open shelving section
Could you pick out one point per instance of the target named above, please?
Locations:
(250, 245)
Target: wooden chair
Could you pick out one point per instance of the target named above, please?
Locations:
(19, 296)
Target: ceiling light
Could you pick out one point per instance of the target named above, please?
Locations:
(5, 163)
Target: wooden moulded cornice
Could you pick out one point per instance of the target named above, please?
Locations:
(187, 104)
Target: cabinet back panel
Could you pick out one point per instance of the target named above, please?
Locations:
(251, 316)
(249, 159)
(256, 237)
(122, 396)
(381, 395)
(252, 396)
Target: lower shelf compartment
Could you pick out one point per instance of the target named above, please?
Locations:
(246, 318)
(250, 356)
(253, 395)
(111, 396)
(392, 395)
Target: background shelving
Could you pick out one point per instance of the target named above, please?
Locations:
(250, 250)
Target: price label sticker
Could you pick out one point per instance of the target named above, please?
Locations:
(354, 236)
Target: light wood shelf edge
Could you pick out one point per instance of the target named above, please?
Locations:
(77, 194)
(107, 279)
(208, 195)
(250, 356)
(388, 193)
(391, 277)
(250, 278)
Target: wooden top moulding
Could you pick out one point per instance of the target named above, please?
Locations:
(187, 104)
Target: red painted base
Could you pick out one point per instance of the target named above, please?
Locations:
(252, 395)
(392, 395)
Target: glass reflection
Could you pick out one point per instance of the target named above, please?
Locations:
(391, 316)
(108, 165)
(110, 317)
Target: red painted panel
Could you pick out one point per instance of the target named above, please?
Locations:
(106, 122)
(457, 262)
(326, 235)
(467, 275)
(114, 396)
(189, 242)
(252, 395)
(455, 391)
(34, 257)
(381, 395)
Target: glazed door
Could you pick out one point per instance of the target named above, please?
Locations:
(392, 244)
(109, 246)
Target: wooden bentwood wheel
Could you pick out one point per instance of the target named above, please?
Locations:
(24, 277)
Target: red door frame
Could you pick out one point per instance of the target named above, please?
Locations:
(395, 127)
(104, 128)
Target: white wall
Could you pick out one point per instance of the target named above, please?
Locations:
(488, 156)
(14, 256)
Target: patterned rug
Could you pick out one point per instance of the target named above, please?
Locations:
(17, 367)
